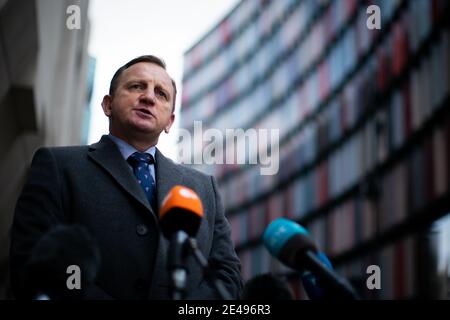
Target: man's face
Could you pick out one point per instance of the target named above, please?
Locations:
(142, 102)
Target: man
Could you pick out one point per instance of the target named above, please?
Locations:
(102, 188)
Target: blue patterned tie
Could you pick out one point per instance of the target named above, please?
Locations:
(141, 167)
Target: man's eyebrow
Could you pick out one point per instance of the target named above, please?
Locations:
(135, 80)
(162, 84)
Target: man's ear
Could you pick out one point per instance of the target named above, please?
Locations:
(172, 119)
(106, 105)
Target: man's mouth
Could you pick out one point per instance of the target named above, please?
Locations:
(144, 112)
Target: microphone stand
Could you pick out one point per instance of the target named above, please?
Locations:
(176, 263)
(208, 274)
(185, 247)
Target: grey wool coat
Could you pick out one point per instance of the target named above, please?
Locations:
(94, 187)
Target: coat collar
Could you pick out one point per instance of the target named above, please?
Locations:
(168, 174)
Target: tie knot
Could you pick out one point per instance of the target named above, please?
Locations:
(140, 158)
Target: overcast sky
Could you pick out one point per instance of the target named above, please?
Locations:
(124, 29)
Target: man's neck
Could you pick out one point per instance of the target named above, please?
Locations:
(139, 144)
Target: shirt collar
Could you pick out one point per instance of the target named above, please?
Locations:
(127, 150)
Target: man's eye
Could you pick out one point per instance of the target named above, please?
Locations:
(136, 86)
(162, 93)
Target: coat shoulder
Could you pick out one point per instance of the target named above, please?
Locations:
(64, 154)
(188, 171)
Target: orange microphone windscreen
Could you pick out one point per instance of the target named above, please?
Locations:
(181, 209)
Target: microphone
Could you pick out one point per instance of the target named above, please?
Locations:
(314, 289)
(47, 274)
(291, 244)
(180, 217)
(181, 210)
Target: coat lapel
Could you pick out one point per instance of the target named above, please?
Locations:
(168, 174)
(106, 155)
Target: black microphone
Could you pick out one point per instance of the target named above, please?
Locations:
(314, 289)
(290, 243)
(180, 217)
(63, 263)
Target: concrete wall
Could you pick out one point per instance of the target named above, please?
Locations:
(43, 93)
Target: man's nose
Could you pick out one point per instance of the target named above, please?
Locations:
(148, 96)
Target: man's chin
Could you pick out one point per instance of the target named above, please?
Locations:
(145, 130)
